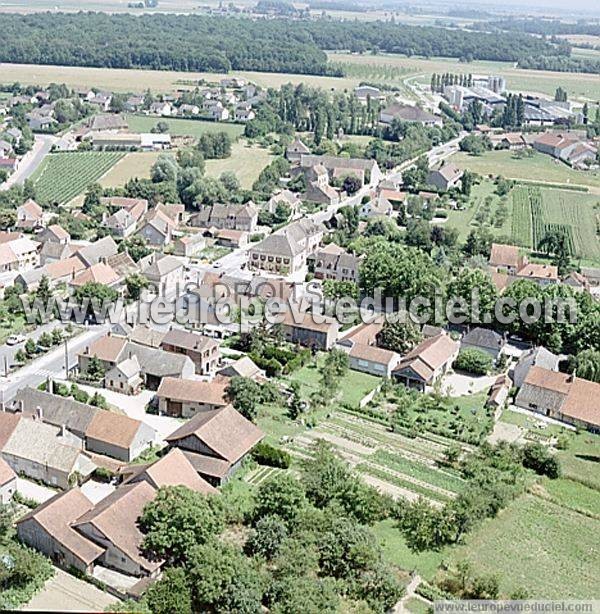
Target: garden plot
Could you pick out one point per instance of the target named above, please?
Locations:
(395, 464)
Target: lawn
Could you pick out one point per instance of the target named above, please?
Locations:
(246, 162)
(135, 164)
(353, 386)
(182, 127)
(398, 553)
(573, 495)
(63, 176)
(581, 460)
(538, 167)
(469, 218)
(550, 551)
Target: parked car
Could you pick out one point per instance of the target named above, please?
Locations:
(15, 339)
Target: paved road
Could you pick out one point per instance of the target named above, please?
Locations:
(31, 160)
(7, 352)
(50, 365)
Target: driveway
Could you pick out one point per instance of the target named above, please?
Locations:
(65, 593)
(458, 384)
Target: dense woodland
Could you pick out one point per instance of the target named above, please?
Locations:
(543, 27)
(208, 43)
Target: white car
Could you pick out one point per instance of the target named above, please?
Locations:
(15, 339)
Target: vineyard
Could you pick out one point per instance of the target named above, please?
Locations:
(538, 211)
(63, 176)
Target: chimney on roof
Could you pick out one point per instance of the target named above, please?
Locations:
(39, 413)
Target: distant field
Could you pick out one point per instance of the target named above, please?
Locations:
(124, 80)
(540, 81)
(539, 210)
(538, 167)
(136, 164)
(182, 127)
(552, 552)
(63, 176)
(245, 161)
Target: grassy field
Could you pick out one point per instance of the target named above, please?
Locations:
(124, 80)
(552, 552)
(353, 386)
(539, 210)
(538, 167)
(245, 161)
(135, 164)
(182, 127)
(532, 81)
(473, 215)
(573, 495)
(63, 176)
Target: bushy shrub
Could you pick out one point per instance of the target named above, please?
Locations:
(266, 454)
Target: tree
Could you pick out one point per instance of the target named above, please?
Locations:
(351, 184)
(178, 519)
(190, 158)
(215, 145)
(164, 169)
(7, 218)
(586, 365)
(245, 395)
(95, 370)
(267, 537)
(418, 234)
(398, 336)
(30, 347)
(223, 580)
(477, 293)
(281, 496)
(136, 282)
(91, 202)
(536, 456)
(170, 594)
(476, 362)
(136, 246)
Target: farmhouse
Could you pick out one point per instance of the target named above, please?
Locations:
(561, 396)
(425, 363)
(216, 442)
(366, 170)
(112, 524)
(310, 330)
(363, 353)
(543, 274)
(445, 176)
(184, 398)
(506, 258)
(48, 529)
(42, 452)
(232, 217)
(173, 469)
(535, 357)
(203, 351)
(334, 262)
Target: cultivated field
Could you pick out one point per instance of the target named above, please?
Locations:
(535, 167)
(537, 211)
(124, 80)
(135, 164)
(245, 161)
(534, 81)
(395, 464)
(63, 176)
(182, 127)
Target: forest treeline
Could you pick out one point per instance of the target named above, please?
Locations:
(215, 44)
